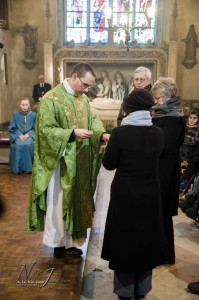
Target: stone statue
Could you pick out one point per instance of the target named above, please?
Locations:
(191, 42)
(119, 86)
(30, 39)
(104, 85)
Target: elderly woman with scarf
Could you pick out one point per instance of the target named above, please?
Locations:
(168, 115)
(133, 239)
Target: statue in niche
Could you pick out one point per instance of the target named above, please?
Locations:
(119, 87)
(191, 42)
(30, 39)
(104, 85)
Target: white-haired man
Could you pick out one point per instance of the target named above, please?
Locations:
(141, 80)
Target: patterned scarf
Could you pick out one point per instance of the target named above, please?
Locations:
(191, 135)
(172, 107)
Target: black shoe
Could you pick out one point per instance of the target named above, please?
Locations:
(193, 212)
(72, 252)
(124, 298)
(188, 202)
(194, 287)
(137, 297)
(59, 251)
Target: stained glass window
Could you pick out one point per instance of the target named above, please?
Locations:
(86, 20)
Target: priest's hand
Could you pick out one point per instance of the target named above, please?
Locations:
(82, 133)
(106, 137)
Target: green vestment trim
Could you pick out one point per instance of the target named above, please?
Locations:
(59, 113)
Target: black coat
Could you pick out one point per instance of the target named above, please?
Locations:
(169, 172)
(133, 239)
(39, 91)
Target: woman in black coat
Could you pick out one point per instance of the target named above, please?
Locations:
(168, 115)
(133, 239)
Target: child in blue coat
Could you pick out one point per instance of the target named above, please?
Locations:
(22, 135)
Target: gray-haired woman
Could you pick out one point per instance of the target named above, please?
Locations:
(168, 115)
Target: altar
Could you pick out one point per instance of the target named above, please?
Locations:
(107, 109)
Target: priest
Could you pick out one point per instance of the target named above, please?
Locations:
(66, 164)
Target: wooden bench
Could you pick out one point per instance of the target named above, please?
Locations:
(4, 143)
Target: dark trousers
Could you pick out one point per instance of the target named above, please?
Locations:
(169, 240)
(132, 284)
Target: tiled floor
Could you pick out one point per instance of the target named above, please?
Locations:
(51, 277)
(19, 247)
(169, 281)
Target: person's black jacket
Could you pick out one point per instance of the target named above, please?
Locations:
(133, 238)
(169, 168)
(39, 91)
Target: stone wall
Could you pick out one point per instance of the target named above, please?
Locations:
(44, 16)
(37, 14)
(187, 14)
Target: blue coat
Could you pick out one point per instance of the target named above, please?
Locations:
(21, 153)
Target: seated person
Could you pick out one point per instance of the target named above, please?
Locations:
(22, 135)
(193, 212)
(190, 149)
(190, 197)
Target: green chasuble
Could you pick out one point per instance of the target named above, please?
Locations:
(59, 113)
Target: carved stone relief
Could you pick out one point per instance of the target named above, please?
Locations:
(30, 36)
(141, 55)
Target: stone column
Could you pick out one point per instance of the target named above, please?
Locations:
(173, 25)
(2, 85)
(172, 59)
(48, 61)
(1, 80)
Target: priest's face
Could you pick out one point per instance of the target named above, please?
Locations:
(24, 106)
(82, 84)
